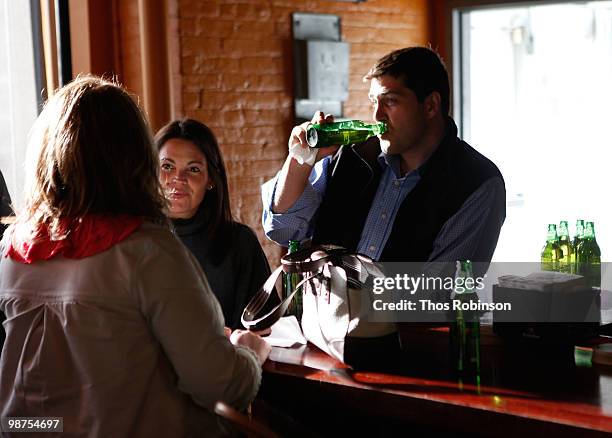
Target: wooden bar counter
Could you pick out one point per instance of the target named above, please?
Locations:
(521, 391)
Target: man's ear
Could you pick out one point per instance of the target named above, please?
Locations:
(432, 104)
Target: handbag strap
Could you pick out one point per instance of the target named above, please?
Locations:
(354, 265)
(249, 317)
(302, 262)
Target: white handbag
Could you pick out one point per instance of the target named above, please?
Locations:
(336, 295)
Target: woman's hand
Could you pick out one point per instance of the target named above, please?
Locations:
(252, 341)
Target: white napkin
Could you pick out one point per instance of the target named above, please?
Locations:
(286, 332)
(303, 154)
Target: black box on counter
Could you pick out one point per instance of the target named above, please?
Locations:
(551, 315)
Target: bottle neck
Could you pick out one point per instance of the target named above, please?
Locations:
(563, 231)
(464, 283)
(579, 228)
(294, 246)
(589, 232)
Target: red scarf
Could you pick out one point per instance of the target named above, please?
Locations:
(88, 236)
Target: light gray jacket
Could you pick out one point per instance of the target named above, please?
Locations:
(128, 342)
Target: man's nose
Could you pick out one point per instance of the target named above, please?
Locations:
(378, 113)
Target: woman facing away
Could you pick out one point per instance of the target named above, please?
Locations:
(111, 323)
(194, 180)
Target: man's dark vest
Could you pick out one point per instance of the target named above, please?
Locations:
(453, 172)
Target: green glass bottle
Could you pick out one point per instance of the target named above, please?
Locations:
(551, 253)
(290, 281)
(465, 329)
(340, 133)
(588, 257)
(566, 247)
(577, 239)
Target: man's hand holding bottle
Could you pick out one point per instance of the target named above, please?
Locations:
(298, 144)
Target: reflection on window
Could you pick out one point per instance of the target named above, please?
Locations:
(535, 92)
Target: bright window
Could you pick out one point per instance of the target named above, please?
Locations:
(533, 87)
(18, 96)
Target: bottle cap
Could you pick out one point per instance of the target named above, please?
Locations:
(312, 137)
(602, 354)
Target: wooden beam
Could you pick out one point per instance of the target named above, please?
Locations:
(154, 61)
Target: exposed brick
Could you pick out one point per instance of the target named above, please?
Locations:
(198, 8)
(208, 117)
(239, 47)
(233, 118)
(356, 82)
(214, 27)
(394, 36)
(228, 10)
(252, 185)
(200, 64)
(192, 100)
(266, 100)
(259, 168)
(210, 81)
(256, 149)
(262, 65)
(283, 28)
(246, 203)
(192, 45)
(187, 27)
(260, 117)
(249, 134)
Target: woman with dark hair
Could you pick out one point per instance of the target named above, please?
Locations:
(111, 323)
(195, 184)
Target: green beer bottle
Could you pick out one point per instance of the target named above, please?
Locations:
(465, 329)
(340, 133)
(567, 248)
(588, 257)
(577, 239)
(290, 281)
(551, 253)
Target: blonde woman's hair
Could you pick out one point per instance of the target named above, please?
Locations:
(90, 152)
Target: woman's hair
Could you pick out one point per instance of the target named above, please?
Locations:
(215, 208)
(90, 152)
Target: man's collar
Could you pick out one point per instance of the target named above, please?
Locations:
(393, 161)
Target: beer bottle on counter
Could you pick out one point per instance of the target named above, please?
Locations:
(551, 253)
(577, 239)
(566, 247)
(341, 133)
(290, 281)
(588, 257)
(465, 329)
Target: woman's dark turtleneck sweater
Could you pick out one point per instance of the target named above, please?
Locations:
(241, 271)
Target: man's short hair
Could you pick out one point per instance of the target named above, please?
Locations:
(420, 69)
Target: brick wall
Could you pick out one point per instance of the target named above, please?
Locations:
(236, 64)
